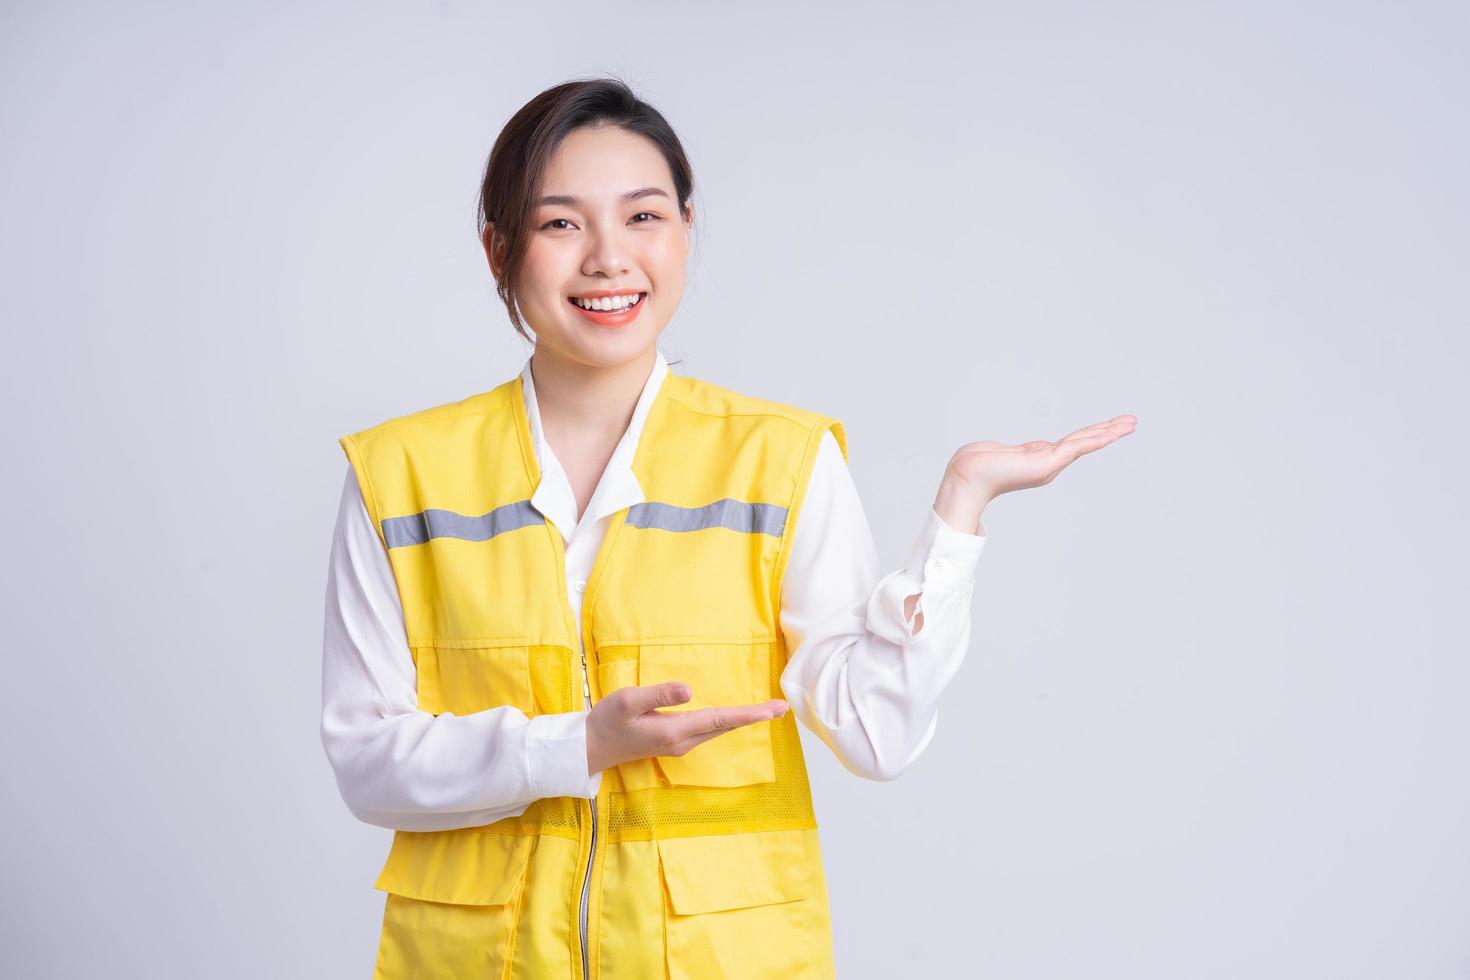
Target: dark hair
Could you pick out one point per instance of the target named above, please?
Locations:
(519, 158)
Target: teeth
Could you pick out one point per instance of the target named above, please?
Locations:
(607, 303)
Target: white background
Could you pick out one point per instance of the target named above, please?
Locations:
(1212, 724)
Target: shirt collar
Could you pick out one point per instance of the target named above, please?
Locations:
(618, 487)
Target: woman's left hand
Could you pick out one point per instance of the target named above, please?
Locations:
(981, 471)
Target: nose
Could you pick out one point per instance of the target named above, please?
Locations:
(607, 254)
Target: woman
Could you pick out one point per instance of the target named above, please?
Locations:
(566, 616)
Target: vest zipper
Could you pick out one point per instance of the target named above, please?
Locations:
(592, 852)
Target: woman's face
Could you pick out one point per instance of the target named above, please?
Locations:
(590, 237)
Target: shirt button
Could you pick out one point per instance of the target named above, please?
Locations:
(580, 586)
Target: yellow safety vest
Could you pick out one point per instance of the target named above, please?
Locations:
(699, 866)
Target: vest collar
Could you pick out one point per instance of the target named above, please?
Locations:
(618, 488)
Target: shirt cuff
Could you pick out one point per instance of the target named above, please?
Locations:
(943, 556)
(558, 750)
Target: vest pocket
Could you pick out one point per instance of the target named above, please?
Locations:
(453, 900)
(465, 679)
(737, 905)
(718, 674)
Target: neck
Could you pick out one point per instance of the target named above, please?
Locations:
(591, 400)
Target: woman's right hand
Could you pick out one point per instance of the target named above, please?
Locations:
(627, 725)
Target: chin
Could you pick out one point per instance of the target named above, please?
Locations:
(601, 347)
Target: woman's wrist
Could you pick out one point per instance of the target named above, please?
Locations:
(960, 505)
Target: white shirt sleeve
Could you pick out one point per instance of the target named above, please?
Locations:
(859, 677)
(397, 766)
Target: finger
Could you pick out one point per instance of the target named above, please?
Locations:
(665, 695)
(1099, 426)
(688, 742)
(719, 719)
(1107, 431)
(1122, 425)
(1083, 445)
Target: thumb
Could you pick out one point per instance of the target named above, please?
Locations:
(642, 699)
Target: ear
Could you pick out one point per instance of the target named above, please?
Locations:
(488, 240)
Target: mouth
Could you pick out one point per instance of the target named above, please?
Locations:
(609, 311)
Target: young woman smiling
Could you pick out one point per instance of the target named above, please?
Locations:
(566, 616)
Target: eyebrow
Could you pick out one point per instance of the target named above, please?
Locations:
(630, 196)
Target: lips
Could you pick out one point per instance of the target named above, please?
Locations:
(611, 318)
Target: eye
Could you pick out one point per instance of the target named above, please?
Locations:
(651, 215)
(552, 222)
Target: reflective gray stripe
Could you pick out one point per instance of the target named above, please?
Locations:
(433, 523)
(737, 515)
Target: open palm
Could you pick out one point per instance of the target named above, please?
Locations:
(994, 468)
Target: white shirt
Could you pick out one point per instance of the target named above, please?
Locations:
(858, 677)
